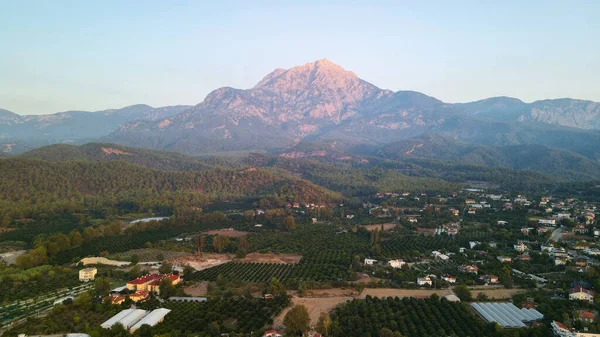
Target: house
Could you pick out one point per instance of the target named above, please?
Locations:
(592, 251)
(468, 269)
(449, 278)
(87, 274)
(585, 316)
(561, 330)
(502, 223)
(440, 256)
(520, 247)
(349, 216)
(524, 257)
(581, 262)
(422, 281)
(580, 229)
(412, 220)
(139, 296)
(526, 230)
(596, 231)
(370, 262)
(396, 263)
(580, 293)
(273, 333)
(473, 244)
(489, 278)
(560, 261)
(504, 259)
(269, 297)
(547, 222)
(115, 299)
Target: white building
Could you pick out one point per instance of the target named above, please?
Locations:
(370, 262)
(127, 318)
(396, 263)
(422, 281)
(87, 274)
(520, 247)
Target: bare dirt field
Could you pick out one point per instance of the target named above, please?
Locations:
(271, 258)
(209, 260)
(418, 293)
(386, 226)
(232, 233)
(315, 306)
(103, 260)
(204, 262)
(198, 289)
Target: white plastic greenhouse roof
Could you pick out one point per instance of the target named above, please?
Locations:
(152, 318)
(113, 320)
(506, 314)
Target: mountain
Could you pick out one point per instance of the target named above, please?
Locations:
(565, 112)
(73, 126)
(563, 164)
(284, 107)
(322, 102)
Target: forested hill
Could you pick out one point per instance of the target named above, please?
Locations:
(101, 152)
(562, 164)
(31, 185)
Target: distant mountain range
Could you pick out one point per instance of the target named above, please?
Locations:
(20, 133)
(322, 102)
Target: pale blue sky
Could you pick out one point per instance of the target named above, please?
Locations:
(91, 55)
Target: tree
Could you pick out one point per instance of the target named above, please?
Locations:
(200, 244)
(220, 242)
(463, 293)
(166, 288)
(244, 244)
(385, 332)
(289, 223)
(75, 238)
(296, 320)
(135, 259)
(101, 286)
(275, 287)
(166, 268)
(188, 271)
(135, 272)
(324, 324)
(160, 256)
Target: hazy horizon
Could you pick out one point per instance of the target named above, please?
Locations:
(66, 55)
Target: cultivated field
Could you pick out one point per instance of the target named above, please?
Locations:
(232, 233)
(271, 258)
(386, 226)
(418, 293)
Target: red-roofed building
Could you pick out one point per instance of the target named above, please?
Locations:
(581, 294)
(140, 295)
(469, 269)
(115, 299)
(273, 333)
(151, 282)
(561, 330)
(489, 278)
(585, 316)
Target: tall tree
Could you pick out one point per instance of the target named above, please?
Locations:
(324, 323)
(200, 244)
(289, 223)
(296, 320)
